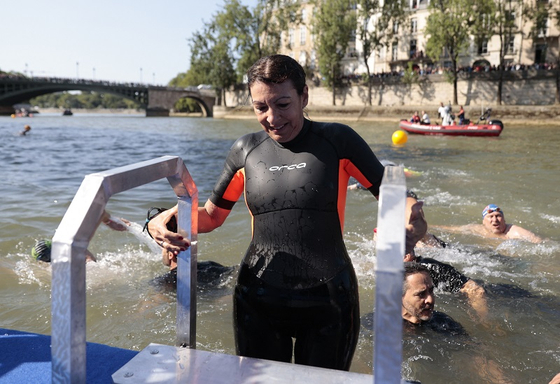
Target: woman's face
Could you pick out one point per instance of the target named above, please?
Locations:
(279, 109)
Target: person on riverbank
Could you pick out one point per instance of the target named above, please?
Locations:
(494, 226)
(296, 281)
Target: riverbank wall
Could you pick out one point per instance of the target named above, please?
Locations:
(528, 98)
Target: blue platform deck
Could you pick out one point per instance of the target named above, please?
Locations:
(26, 358)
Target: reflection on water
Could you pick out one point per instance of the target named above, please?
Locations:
(519, 171)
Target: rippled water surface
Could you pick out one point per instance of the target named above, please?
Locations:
(519, 171)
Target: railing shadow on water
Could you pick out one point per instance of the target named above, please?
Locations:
(84, 215)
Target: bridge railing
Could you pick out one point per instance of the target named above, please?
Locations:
(68, 258)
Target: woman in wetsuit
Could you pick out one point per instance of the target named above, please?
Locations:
(296, 280)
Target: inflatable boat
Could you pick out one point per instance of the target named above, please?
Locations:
(489, 128)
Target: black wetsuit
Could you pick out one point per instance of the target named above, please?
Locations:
(444, 276)
(296, 279)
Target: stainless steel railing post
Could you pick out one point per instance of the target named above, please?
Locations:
(389, 274)
(68, 258)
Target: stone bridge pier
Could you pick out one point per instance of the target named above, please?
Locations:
(161, 100)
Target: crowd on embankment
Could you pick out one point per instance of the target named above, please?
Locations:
(508, 114)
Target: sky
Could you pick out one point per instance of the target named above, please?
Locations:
(114, 40)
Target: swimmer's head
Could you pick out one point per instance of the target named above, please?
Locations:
(491, 208)
(27, 128)
(42, 250)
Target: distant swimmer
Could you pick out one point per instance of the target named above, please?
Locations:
(494, 226)
(26, 129)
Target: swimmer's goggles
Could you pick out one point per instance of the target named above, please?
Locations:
(491, 209)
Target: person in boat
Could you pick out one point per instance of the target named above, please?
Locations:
(415, 118)
(296, 280)
(447, 118)
(26, 129)
(425, 118)
(461, 115)
(441, 112)
(494, 226)
(444, 276)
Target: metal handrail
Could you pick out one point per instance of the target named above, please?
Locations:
(389, 277)
(69, 247)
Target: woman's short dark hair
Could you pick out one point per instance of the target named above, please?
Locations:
(276, 69)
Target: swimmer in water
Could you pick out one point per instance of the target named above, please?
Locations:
(444, 276)
(209, 273)
(494, 226)
(296, 281)
(42, 249)
(26, 129)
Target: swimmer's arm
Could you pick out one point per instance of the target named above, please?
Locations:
(113, 223)
(522, 233)
(477, 298)
(555, 379)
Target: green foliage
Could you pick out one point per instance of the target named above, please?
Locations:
(410, 75)
(88, 100)
(333, 26)
(449, 27)
(187, 105)
(374, 27)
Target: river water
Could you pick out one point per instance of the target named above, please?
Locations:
(519, 171)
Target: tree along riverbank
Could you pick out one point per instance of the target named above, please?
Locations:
(508, 114)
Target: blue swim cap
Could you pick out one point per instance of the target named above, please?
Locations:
(491, 208)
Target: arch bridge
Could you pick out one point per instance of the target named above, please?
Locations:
(156, 100)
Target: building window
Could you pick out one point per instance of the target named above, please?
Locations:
(302, 35)
(510, 47)
(483, 47)
(413, 49)
(395, 51)
(413, 25)
(303, 58)
(303, 14)
(291, 37)
(395, 27)
(542, 27)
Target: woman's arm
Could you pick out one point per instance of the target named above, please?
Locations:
(210, 217)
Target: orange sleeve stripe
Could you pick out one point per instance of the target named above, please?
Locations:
(236, 186)
(355, 172)
(343, 177)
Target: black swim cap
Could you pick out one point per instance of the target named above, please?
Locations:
(42, 250)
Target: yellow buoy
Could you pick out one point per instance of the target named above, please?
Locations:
(13, 116)
(399, 137)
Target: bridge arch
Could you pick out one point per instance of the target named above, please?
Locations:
(157, 100)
